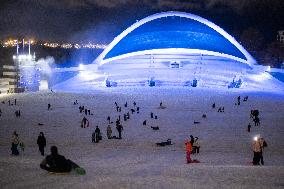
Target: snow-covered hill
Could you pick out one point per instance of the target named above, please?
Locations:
(135, 161)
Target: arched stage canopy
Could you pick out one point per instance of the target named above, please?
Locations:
(174, 33)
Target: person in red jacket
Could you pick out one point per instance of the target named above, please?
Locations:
(188, 146)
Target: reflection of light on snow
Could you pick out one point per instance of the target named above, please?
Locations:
(25, 57)
(43, 85)
(260, 77)
(88, 75)
(81, 67)
(268, 69)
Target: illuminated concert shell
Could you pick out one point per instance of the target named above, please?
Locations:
(174, 33)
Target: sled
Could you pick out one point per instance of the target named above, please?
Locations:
(162, 107)
(58, 173)
(78, 170)
(194, 161)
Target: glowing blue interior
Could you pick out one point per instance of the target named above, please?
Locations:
(174, 32)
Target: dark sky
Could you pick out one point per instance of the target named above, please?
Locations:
(101, 20)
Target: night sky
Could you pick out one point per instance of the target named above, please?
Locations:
(101, 20)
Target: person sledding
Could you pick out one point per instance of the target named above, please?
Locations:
(55, 163)
(188, 146)
(162, 106)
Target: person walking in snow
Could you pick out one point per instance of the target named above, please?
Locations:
(41, 142)
(196, 146)
(119, 130)
(256, 146)
(188, 147)
(191, 140)
(84, 122)
(249, 126)
(97, 134)
(15, 142)
(48, 106)
(109, 132)
(263, 145)
(256, 121)
(239, 100)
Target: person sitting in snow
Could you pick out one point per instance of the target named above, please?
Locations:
(59, 164)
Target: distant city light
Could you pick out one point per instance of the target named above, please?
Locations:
(88, 45)
(14, 42)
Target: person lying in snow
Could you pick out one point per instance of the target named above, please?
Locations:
(168, 142)
(155, 128)
(56, 163)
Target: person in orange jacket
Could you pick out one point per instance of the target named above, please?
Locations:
(188, 146)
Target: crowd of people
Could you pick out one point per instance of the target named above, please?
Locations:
(58, 163)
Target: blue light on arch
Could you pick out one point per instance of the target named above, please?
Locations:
(174, 32)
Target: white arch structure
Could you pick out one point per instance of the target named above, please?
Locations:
(249, 59)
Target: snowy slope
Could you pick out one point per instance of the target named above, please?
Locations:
(135, 161)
